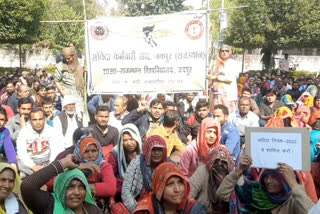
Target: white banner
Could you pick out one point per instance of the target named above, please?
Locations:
(166, 53)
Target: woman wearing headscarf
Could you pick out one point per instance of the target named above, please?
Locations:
(137, 179)
(316, 104)
(196, 152)
(302, 117)
(10, 198)
(241, 83)
(124, 152)
(314, 122)
(170, 193)
(102, 182)
(283, 117)
(69, 77)
(277, 191)
(207, 178)
(253, 87)
(71, 190)
(305, 99)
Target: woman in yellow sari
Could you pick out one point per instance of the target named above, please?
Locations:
(10, 198)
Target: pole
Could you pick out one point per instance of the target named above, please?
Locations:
(20, 55)
(84, 10)
(243, 60)
(85, 112)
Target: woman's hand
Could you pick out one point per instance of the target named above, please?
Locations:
(90, 166)
(70, 162)
(244, 164)
(288, 174)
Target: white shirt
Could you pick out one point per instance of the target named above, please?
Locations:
(33, 146)
(250, 120)
(72, 126)
(113, 121)
(284, 65)
(315, 209)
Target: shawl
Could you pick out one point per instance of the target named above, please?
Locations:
(145, 159)
(74, 68)
(287, 99)
(314, 117)
(152, 203)
(221, 152)
(119, 151)
(304, 109)
(277, 120)
(202, 145)
(215, 177)
(11, 204)
(151, 142)
(255, 198)
(60, 187)
(312, 89)
(83, 144)
(305, 99)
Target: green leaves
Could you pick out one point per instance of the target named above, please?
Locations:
(19, 20)
(274, 24)
(151, 7)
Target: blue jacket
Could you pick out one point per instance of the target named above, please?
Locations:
(230, 137)
(142, 121)
(94, 103)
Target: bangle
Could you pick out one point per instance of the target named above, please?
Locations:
(55, 168)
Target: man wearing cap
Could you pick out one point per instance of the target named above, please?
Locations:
(223, 80)
(67, 121)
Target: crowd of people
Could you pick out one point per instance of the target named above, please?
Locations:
(155, 153)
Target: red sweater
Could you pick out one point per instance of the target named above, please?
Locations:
(105, 182)
(114, 162)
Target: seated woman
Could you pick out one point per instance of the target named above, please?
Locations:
(277, 191)
(6, 145)
(128, 148)
(196, 152)
(283, 117)
(102, 182)
(137, 180)
(302, 117)
(207, 178)
(170, 193)
(10, 198)
(71, 189)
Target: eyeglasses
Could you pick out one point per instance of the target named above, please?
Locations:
(225, 51)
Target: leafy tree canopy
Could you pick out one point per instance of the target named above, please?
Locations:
(19, 20)
(274, 25)
(151, 7)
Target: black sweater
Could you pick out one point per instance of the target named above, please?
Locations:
(42, 202)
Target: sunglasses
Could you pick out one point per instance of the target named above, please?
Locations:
(225, 51)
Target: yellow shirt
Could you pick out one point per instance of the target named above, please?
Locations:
(172, 141)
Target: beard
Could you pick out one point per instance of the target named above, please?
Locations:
(70, 113)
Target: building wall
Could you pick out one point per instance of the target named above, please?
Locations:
(43, 58)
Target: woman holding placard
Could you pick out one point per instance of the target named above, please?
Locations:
(277, 191)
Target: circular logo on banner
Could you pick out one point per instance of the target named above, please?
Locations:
(194, 29)
(99, 32)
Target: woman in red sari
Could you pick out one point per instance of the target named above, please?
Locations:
(170, 193)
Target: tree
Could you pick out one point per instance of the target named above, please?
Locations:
(273, 25)
(59, 35)
(151, 7)
(19, 20)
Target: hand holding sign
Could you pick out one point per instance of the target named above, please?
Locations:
(287, 172)
(245, 163)
(269, 146)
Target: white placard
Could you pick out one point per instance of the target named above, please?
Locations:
(165, 53)
(270, 146)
